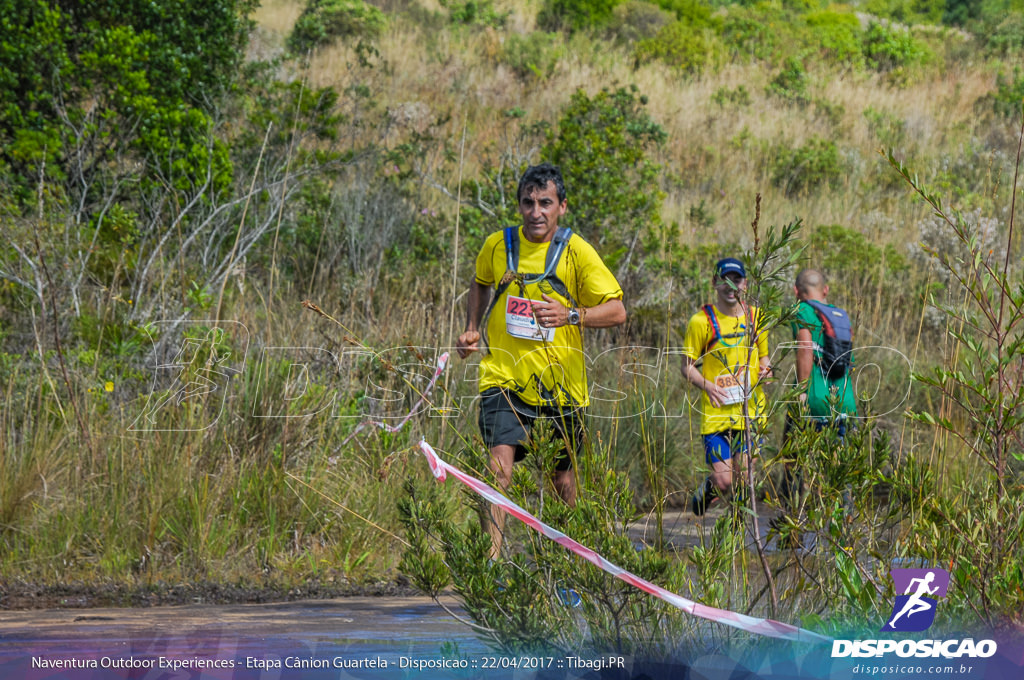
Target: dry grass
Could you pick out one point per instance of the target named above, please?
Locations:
(457, 73)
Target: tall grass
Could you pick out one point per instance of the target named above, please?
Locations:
(225, 493)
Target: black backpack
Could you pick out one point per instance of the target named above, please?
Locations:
(836, 353)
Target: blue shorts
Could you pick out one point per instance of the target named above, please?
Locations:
(719, 446)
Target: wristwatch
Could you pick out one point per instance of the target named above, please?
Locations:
(574, 317)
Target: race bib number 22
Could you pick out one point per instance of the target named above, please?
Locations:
(519, 321)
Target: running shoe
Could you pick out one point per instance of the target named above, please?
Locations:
(705, 496)
(569, 597)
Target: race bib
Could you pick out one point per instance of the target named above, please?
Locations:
(734, 392)
(519, 321)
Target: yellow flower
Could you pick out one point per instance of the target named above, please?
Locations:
(108, 386)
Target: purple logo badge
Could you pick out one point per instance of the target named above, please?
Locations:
(914, 610)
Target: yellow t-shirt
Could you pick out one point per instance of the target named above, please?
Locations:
(542, 368)
(724, 363)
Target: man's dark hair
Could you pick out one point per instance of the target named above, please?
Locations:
(538, 176)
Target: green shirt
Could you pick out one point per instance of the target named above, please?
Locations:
(825, 398)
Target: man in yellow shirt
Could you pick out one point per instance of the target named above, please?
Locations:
(728, 339)
(537, 286)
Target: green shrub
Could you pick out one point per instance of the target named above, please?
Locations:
(836, 36)
(636, 20)
(790, 84)
(814, 165)
(738, 97)
(749, 34)
(959, 12)
(849, 255)
(691, 11)
(1007, 98)
(678, 45)
(891, 49)
(1006, 38)
(324, 21)
(575, 15)
(532, 56)
(475, 13)
(907, 11)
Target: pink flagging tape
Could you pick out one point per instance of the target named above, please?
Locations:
(750, 624)
(442, 361)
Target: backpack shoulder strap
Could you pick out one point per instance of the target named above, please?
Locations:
(512, 248)
(511, 238)
(835, 321)
(709, 312)
(555, 250)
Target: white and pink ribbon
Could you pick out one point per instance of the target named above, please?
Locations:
(750, 624)
(441, 469)
(442, 361)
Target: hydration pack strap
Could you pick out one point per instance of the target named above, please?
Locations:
(555, 249)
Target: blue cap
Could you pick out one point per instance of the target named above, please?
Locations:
(730, 265)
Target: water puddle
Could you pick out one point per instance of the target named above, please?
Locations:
(257, 640)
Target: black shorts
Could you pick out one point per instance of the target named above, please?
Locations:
(507, 419)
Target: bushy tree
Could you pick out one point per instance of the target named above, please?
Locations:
(601, 143)
(324, 21)
(105, 79)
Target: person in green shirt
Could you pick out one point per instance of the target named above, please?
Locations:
(824, 401)
(828, 401)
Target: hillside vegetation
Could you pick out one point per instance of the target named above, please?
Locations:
(177, 180)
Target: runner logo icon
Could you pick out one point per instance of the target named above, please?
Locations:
(914, 610)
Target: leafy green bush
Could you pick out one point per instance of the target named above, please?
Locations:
(836, 35)
(533, 56)
(790, 83)
(958, 12)
(575, 15)
(475, 13)
(323, 21)
(809, 167)
(890, 49)
(679, 45)
(78, 86)
(636, 20)
(739, 96)
(907, 11)
(847, 255)
(763, 32)
(1009, 93)
(1006, 38)
(692, 12)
